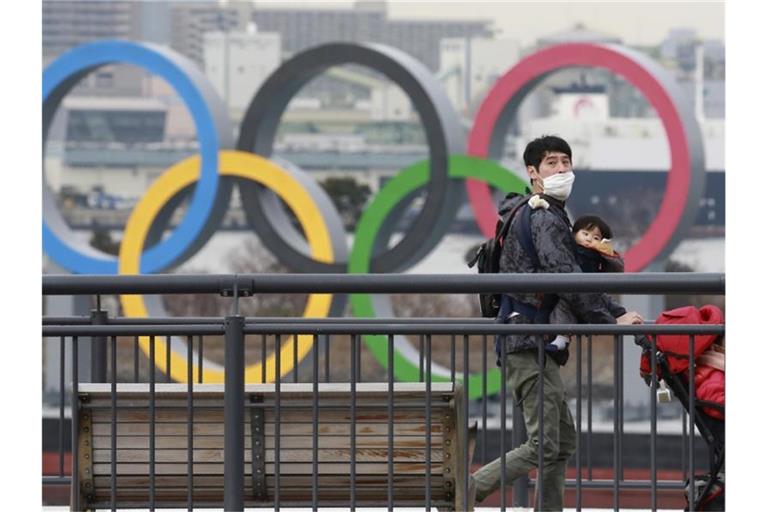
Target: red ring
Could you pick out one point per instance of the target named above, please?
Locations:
(550, 59)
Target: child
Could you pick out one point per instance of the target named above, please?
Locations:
(594, 254)
(593, 250)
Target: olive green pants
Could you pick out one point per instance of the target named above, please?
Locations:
(558, 432)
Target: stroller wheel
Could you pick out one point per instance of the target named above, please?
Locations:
(710, 492)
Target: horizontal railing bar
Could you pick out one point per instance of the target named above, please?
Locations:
(197, 320)
(192, 320)
(155, 283)
(371, 321)
(66, 320)
(296, 388)
(367, 405)
(249, 284)
(592, 484)
(365, 504)
(623, 484)
(354, 328)
(57, 480)
(133, 330)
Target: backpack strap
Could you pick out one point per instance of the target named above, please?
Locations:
(524, 236)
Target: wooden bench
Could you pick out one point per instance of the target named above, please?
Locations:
(334, 471)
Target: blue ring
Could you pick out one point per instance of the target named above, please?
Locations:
(92, 55)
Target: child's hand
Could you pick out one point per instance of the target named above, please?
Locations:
(604, 246)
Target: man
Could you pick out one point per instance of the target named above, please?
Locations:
(548, 163)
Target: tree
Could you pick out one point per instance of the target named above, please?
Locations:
(102, 240)
(349, 197)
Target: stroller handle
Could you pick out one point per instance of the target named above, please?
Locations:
(642, 341)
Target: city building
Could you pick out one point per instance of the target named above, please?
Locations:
(390, 103)
(189, 21)
(237, 63)
(366, 22)
(128, 129)
(713, 79)
(680, 48)
(580, 33)
(699, 66)
(469, 66)
(67, 24)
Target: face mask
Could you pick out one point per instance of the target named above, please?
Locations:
(559, 185)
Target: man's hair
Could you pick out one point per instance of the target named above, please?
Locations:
(538, 148)
(592, 221)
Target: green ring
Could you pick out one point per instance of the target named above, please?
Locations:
(388, 198)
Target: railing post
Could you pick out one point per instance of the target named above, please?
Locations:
(98, 348)
(234, 399)
(519, 437)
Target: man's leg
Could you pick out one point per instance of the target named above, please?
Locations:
(554, 472)
(522, 369)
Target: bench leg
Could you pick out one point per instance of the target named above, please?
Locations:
(463, 466)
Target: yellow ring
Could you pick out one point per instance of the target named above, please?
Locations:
(238, 164)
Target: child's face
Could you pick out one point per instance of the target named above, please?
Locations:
(587, 237)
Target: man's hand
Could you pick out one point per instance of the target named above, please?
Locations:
(560, 356)
(629, 318)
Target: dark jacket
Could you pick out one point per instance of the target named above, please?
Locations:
(556, 249)
(593, 260)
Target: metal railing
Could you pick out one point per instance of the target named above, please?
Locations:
(234, 328)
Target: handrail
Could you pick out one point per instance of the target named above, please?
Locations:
(353, 328)
(248, 284)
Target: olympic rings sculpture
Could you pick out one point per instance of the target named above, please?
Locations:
(320, 245)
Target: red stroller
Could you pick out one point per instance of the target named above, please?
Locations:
(709, 405)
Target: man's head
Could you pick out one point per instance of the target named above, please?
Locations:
(591, 229)
(544, 157)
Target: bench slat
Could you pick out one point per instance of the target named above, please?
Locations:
(340, 389)
(287, 468)
(217, 429)
(286, 455)
(288, 416)
(286, 481)
(215, 442)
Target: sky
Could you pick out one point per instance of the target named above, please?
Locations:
(636, 23)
